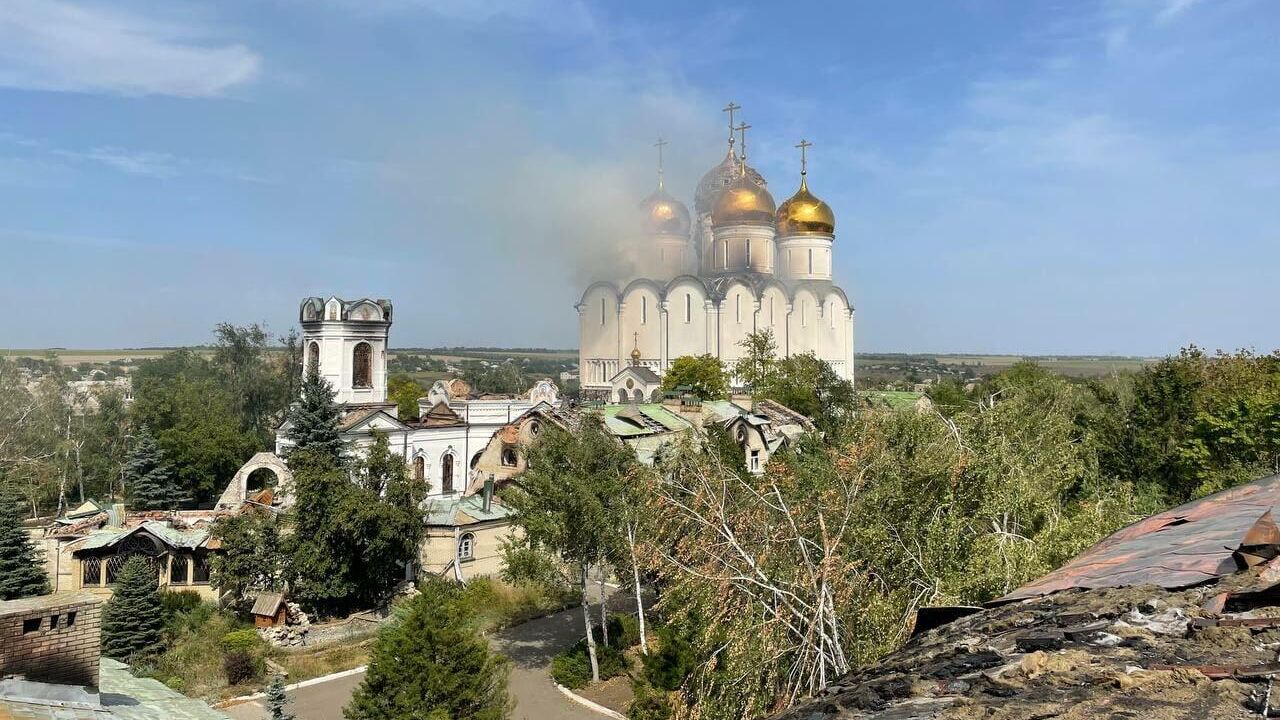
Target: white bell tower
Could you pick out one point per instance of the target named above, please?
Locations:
(346, 340)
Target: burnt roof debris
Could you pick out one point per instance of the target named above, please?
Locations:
(1175, 616)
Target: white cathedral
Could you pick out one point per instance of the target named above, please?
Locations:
(699, 285)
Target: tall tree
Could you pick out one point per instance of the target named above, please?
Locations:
(132, 620)
(250, 560)
(258, 388)
(565, 498)
(759, 362)
(313, 419)
(21, 572)
(404, 392)
(432, 663)
(148, 477)
(319, 550)
(807, 384)
(704, 375)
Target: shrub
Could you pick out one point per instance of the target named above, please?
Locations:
(650, 704)
(667, 667)
(176, 602)
(624, 631)
(240, 640)
(572, 668)
(239, 666)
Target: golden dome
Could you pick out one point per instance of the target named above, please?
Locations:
(715, 180)
(743, 203)
(804, 214)
(664, 215)
(635, 356)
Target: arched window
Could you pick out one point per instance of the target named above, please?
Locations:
(748, 252)
(467, 546)
(446, 473)
(602, 312)
(810, 261)
(313, 357)
(737, 308)
(644, 309)
(688, 307)
(509, 457)
(419, 468)
(637, 395)
(362, 366)
(622, 395)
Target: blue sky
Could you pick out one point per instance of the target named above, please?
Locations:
(1070, 177)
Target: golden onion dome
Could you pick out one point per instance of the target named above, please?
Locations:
(715, 180)
(664, 215)
(743, 203)
(805, 214)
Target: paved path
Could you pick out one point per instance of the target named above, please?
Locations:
(530, 646)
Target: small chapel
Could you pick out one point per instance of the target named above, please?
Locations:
(699, 283)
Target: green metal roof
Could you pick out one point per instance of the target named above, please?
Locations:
(109, 536)
(450, 510)
(663, 420)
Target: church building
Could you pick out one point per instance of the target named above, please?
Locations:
(700, 283)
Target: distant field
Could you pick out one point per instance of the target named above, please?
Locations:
(1077, 366)
(76, 356)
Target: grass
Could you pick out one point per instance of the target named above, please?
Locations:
(314, 662)
(500, 604)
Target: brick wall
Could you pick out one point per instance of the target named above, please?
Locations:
(51, 639)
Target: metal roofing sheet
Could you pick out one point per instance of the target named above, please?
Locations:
(1190, 544)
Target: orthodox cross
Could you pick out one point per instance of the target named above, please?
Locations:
(804, 164)
(660, 144)
(742, 133)
(731, 109)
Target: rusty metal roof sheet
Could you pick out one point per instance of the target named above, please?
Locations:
(1194, 543)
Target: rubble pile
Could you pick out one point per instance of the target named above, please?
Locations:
(1165, 619)
(293, 633)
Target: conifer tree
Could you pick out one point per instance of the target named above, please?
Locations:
(132, 619)
(148, 478)
(313, 419)
(21, 573)
(433, 663)
(277, 700)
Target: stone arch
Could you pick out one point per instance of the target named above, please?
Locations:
(238, 488)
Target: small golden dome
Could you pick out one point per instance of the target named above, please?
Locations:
(635, 356)
(804, 214)
(665, 215)
(743, 203)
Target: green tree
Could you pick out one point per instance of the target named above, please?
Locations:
(277, 700)
(759, 362)
(807, 384)
(259, 388)
(432, 663)
(566, 500)
(194, 420)
(132, 620)
(404, 392)
(250, 560)
(148, 477)
(319, 550)
(314, 419)
(505, 378)
(704, 375)
(21, 572)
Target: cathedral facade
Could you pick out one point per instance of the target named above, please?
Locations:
(700, 283)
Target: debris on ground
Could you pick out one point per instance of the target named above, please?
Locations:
(1177, 616)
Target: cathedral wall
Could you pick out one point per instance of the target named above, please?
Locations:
(599, 336)
(743, 247)
(773, 315)
(833, 333)
(737, 321)
(688, 321)
(805, 257)
(642, 322)
(803, 324)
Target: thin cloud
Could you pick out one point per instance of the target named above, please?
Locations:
(150, 164)
(70, 47)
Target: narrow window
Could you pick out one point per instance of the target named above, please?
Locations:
(419, 468)
(53, 622)
(748, 252)
(725, 254)
(644, 309)
(755, 461)
(688, 308)
(200, 570)
(178, 570)
(810, 261)
(71, 618)
(313, 357)
(446, 473)
(467, 546)
(804, 313)
(771, 310)
(91, 569)
(737, 308)
(362, 366)
(602, 312)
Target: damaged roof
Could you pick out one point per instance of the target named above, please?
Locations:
(1193, 543)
